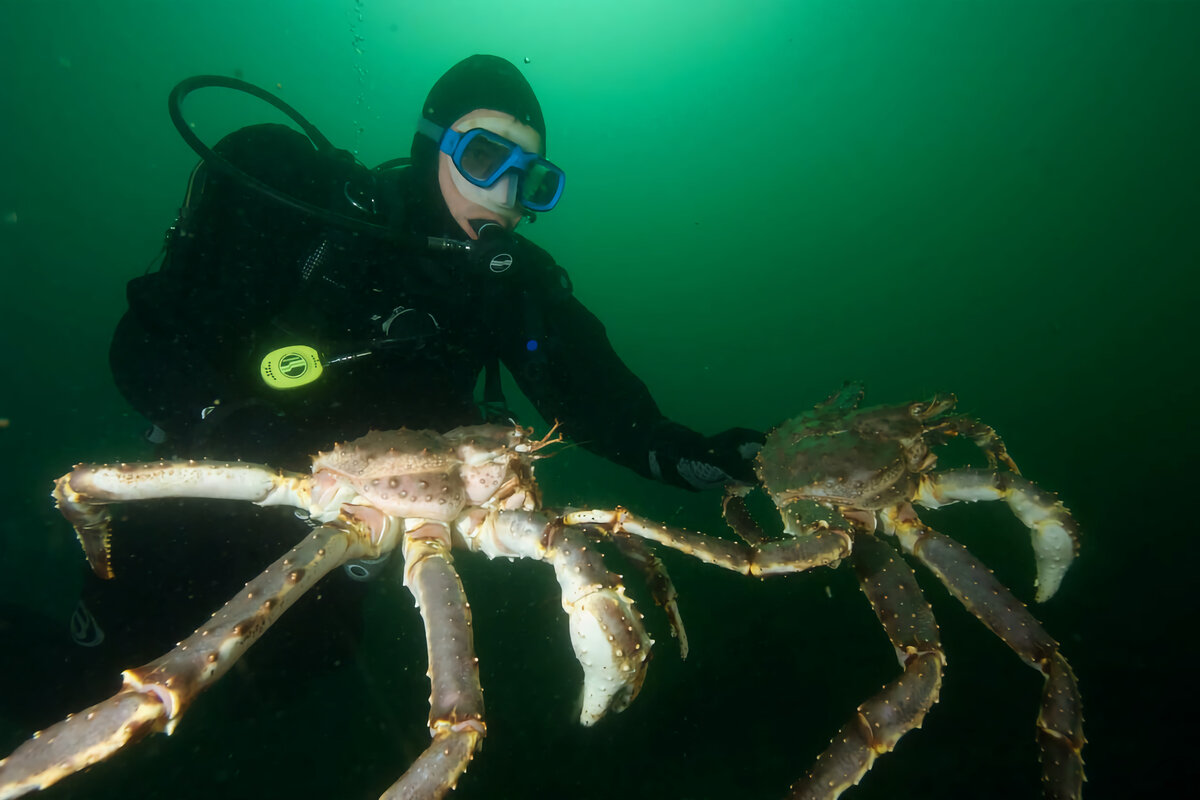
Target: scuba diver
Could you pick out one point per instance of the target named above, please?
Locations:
(408, 282)
(304, 299)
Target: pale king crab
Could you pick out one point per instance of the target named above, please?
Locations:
(473, 488)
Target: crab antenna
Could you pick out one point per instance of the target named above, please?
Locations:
(546, 441)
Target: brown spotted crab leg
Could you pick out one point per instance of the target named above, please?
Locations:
(662, 589)
(1060, 720)
(155, 695)
(891, 587)
(897, 600)
(815, 546)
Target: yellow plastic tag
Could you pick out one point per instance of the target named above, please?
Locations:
(290, 367)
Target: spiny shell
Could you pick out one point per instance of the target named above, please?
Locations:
(387, 453)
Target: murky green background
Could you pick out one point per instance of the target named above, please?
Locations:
(765, 198)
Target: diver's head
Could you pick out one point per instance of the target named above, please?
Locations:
(482, 139)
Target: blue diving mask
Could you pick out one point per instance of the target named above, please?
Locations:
(483, 158)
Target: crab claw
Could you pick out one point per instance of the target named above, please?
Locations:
(1053, 531)
(90, 520)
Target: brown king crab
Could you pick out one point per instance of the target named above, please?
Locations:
(839, 475)
(424, 493)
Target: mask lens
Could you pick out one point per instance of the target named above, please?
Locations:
(483, 157)
(540, 186)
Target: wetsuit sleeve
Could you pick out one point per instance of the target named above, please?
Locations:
(575, 377)
(565, 364)
(188, 338)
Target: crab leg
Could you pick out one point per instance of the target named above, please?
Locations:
(79, 741)
(738, 517)
(891, 587)
(662, 588)
(1053, 529)
(83, 493)
(155, 695)
(984, 437)
(1060, 720)
(607, 634)
(455, 698)
(816, 546)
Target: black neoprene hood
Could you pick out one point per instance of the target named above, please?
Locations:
(483, 82)
(476, 82)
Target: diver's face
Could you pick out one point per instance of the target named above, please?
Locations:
(498, 202)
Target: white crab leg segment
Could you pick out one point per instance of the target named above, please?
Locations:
(1053, 530)
(83, 493)
(1060, 719)
(455, 699)
(155, 695)
(607, 634)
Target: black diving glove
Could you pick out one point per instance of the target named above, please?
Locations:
(683, 458)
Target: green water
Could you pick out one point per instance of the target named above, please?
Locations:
(764, 199)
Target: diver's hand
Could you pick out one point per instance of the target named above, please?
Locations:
(711, 462)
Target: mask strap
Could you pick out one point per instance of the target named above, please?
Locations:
(430, 129)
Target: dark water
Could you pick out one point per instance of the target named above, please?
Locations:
(996, 199)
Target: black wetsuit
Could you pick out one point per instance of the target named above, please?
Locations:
(244, 275)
